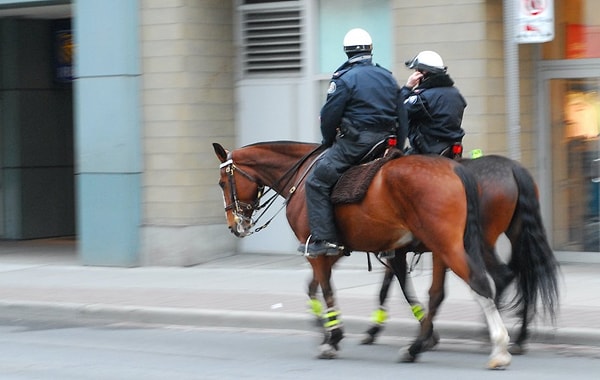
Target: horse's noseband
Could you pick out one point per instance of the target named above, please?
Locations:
(238, 207)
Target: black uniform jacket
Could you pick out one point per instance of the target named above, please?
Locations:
(435, 112)
(364, 96)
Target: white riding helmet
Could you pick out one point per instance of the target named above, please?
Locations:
(427, 61)
(357, 41)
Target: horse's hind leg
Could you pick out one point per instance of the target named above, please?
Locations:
(481, 285)
(426, 338)
(500, 357)
(415, 305)
(518, 346)
(515, 234)
(503, 277)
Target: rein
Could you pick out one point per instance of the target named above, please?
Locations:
(291, 191)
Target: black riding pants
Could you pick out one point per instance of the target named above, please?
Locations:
(343, 154)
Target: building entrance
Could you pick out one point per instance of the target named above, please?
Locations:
(37, 195)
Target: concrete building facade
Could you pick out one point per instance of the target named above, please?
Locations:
(120, 154)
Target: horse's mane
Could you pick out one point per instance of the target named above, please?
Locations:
(276, 159)
(286, 148)
(278, 143)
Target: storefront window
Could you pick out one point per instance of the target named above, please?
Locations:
(577, 30)
(576, 162)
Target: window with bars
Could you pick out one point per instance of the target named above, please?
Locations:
(272, 38)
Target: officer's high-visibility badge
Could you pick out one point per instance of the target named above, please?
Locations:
(332, 87)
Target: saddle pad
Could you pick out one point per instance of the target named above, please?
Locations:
(353, 184)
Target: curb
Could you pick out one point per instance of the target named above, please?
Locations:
(87, 313)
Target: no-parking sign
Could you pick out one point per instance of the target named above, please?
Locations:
(535, 21)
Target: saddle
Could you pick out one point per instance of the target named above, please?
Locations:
(353, 184)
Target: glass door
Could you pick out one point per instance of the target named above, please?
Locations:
(575, 161)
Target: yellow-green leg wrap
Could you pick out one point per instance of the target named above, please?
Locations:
(331, 318)
(315, 307)
(379, 316)
(418, 312)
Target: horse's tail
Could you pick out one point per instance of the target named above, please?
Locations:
(473, 235)
(532, 260)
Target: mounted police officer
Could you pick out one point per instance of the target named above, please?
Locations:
(435, 107)
(363, 107)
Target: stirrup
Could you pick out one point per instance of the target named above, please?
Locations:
(387, 254)
(334, 250)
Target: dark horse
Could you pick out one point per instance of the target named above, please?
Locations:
(428, 198)
(509, 204)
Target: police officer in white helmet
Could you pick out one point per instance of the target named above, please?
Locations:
(363, 107)
(435, 106)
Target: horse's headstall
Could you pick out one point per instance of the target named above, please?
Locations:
(237, 205)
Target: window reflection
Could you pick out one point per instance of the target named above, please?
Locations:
(581, 114)
(578, 187)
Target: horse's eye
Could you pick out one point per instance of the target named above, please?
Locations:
(221, 184)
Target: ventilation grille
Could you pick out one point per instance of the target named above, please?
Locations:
(272, 41)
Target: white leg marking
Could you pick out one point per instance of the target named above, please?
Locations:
(500, 357)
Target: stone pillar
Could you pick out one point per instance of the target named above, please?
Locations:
(188, 60)
(108, 131)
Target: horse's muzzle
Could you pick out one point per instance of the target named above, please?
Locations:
(241, 227)
(236, 231)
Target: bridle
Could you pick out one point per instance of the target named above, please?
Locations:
(239, 209)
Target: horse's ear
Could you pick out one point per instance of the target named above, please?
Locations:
(220, 152)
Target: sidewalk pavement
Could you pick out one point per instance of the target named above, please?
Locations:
(44, 281)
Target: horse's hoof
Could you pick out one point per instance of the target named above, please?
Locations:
(327, 351)
(335, 336)
(517, 349)
(368, 339)
(407, 357)
(430, 343)
(371, 334)
(499, 361)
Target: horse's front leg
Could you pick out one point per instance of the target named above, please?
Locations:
(426, 338)
(332, 323)
(315, 306)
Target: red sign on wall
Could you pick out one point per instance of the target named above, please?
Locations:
(582, 41)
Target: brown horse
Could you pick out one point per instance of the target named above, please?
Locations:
(509, 204)
(428, 198)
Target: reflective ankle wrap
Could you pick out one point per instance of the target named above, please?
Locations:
(379, 316)
(315, 307)
(331, 320)
(418, 312)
